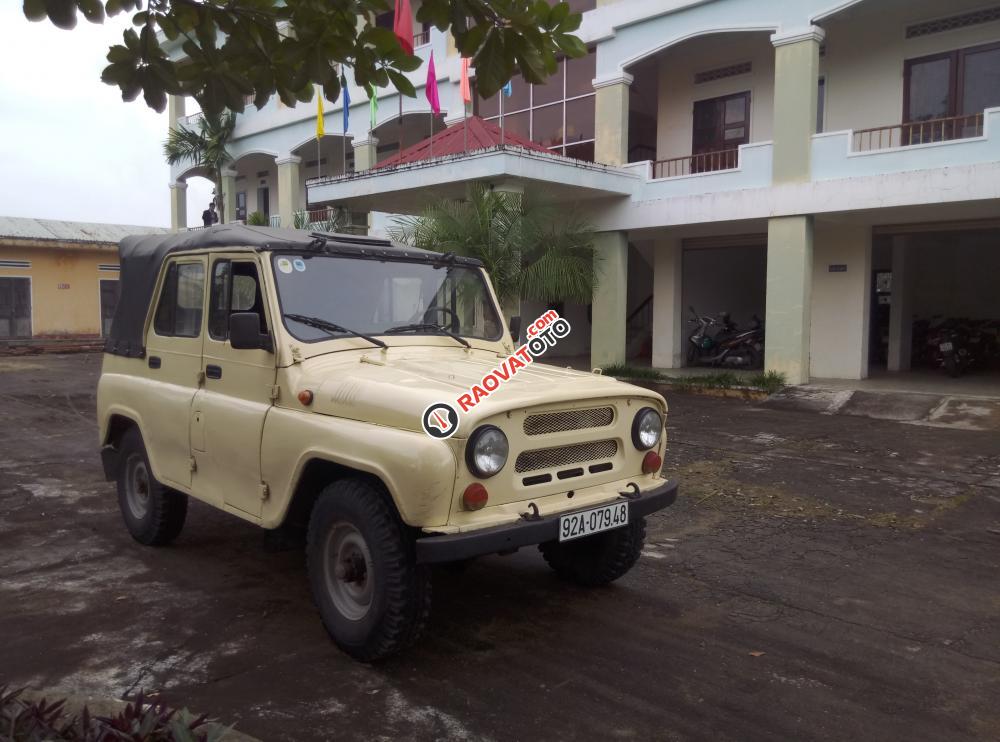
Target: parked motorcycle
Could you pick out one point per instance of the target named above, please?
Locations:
(717, 341)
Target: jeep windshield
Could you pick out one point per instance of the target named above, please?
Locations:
(365, 296)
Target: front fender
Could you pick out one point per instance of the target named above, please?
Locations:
(417, 470)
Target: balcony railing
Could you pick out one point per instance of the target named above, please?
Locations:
(704, 162)
(419, 39)
(918, 132)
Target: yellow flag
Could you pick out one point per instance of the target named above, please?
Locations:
(319, 113)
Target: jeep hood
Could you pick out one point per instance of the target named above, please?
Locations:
(395, 387)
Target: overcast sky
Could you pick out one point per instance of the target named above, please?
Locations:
(69, 146)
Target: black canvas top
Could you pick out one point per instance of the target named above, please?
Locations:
(142, 255)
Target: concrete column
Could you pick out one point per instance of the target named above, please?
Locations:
(796, 76)
(365, 154)
(228, 199)
(611, 119)
(175, 109)
(607, 333)
(178, 206)
(289, 197)
(668, 310)
(178, 191)
(789, 289)
(841, 301)
(901, 308)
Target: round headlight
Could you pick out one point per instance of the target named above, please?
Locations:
(486, 452)
(646, 428)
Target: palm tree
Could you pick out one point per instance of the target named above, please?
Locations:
(205, 146)
(531, 250)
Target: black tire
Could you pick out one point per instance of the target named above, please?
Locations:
(373, 604)
(153, 514)
(599, 559)
(951, 366)
(692, 355)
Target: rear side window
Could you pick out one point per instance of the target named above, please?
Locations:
(182, 301)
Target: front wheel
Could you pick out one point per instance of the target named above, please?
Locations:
(373, 598)
(598, 559)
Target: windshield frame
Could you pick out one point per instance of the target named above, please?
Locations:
(476, 268)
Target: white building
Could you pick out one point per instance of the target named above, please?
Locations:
(777, 157)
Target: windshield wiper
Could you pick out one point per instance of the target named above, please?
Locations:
(427, 326)
(332, 328)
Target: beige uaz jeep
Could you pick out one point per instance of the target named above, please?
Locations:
(340, 383)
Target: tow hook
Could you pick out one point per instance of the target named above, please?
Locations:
(632, 493)
(534, 514)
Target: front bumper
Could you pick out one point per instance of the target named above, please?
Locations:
(456, 546)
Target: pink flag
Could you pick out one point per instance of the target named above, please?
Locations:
(431, 89)
(466, 91)
(402, 25)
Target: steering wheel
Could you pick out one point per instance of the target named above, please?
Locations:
(443, 310)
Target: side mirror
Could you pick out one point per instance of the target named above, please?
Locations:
(515, 327)
(245, 334)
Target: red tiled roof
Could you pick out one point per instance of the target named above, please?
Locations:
(454, 141)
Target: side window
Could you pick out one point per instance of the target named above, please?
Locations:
(235, 288)
(181, 301)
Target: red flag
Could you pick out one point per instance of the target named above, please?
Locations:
(402, 25)
(431, 90)
(464, 85)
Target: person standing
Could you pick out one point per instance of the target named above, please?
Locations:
(210, 216)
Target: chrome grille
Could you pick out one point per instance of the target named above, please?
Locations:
(557, 422)
(547, 458)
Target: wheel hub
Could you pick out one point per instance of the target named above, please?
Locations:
(349, 571)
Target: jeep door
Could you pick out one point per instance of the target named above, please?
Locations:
(173, 366)
(228, 414)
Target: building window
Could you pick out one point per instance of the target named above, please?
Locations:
(558, 115)
(15, 307)
(820, 105)
(957, 85)
(109, 302)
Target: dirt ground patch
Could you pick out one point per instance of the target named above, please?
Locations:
(820, 578)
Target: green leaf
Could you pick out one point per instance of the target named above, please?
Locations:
(402, 83)
(34, 10)
(571, 45)
(62, 13)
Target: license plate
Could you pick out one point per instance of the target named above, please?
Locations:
(587, 522)
(946, 347)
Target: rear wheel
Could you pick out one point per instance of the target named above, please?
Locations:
(373, 598)
(154, 514)
(598, 559)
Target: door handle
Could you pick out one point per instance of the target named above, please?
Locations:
(213, 372)
(155, 362)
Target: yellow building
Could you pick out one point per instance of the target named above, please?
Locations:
(59, 279)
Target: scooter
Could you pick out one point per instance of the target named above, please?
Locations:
(728, 346)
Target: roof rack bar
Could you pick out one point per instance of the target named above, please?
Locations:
(351, 239)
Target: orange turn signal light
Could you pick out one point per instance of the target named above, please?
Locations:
(475, 496)
(306, 397)
(651, 462)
